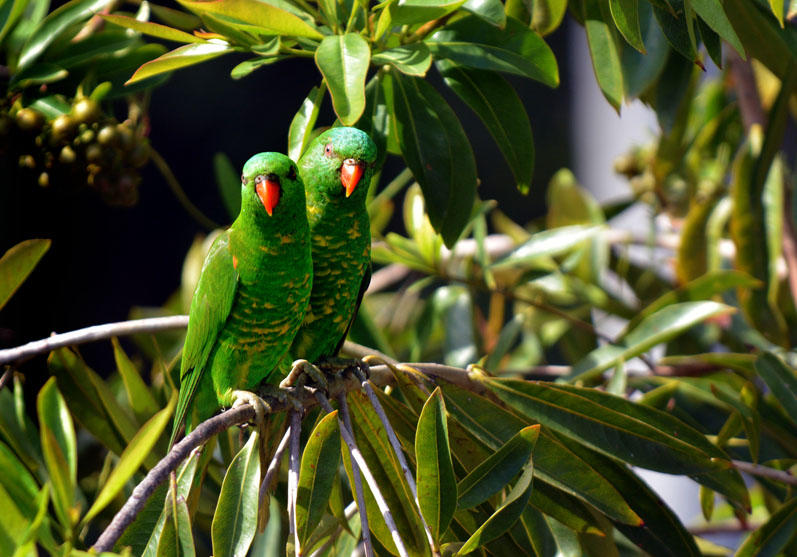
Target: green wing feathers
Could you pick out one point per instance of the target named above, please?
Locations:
(210, 308)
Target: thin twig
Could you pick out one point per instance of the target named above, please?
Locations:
(6, 376)
(273, 468)
(90, 334)
(359, 492)
(765, 472)
(356, 455)
(295, 418)
(735, 528)
(179, 192)
(394, 442)
(348, 512)
(161, 471)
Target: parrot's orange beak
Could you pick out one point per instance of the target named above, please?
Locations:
(269, 193)
(350, 174)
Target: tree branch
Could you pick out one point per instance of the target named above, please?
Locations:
(90, 334)
(765, 472)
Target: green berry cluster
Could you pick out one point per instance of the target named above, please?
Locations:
(84, 147)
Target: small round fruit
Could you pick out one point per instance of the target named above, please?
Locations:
(107, 136)
(44, 180)
(30, 120)
(63, 127)
(67, 155)
(86, 110)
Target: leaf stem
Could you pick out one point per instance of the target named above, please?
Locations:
(179, 193)
(765, 472)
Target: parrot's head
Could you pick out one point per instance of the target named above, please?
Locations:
(270, 183)
(341, 160)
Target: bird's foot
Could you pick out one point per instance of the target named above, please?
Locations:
(262, 408)
(301, 370)
(336, 367)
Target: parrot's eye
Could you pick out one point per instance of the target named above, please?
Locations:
(292, 174)
(328, 150)
(259, 178)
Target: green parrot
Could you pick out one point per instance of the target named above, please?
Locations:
(251, 296)
(336, 170)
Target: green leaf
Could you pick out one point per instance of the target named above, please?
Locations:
(132, 458)
(375, 448)
(54, 25)
(18, 482)
(181, 57)
(318, 471)
(675, 29)
(10, 12)
(271, 19)
(152, 29)
(229, 184)
(774, 535)
(548, 243)
(701, 288)
(436, 149)
(472, 42)
(638, 434)
(60, 450)
(176, 539)
(495, 101)
(17, 263)
(412, 59)
(235, 520)
(138, 394)
(248, 66)
(781, 381)
(547, 15)
(625, 14)
(659, 327)
(437, 486)
(604, 52)
(640, 71)
(301, 130)
(713, 13)
(18, 431)
(497, 471)
(505, 515)
(491, 11)
(408, 12)
(343, 61)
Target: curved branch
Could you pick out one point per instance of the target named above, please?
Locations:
(90, 334)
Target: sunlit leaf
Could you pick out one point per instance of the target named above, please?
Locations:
(132, 458)
(343, 61)
(604, 52)
(412, 59)
(152, 29)
(235, 519)
(625, 14)
(271, 19)
(491, 11)
(138, 394)
(303, 123)
(53, 25)
(17, 263)
(437, 486)
(713, 13)
(318, 471)
(181, 57)
(176, 539)
(548, 243)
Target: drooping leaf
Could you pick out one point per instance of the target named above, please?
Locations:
(638, 434)
(53, 25)
(17, 263)
(152, 29)
(18, 482)
(491, 11)
(132, 458)
(604, 52)
(497, 104)
(318, 471)
(625, 14)
(548, 243)
(271, 19)
(343, 61)
(229, 184)
(303, 123)
(412, 59)
(659, 327)
(641, 70)
(180, 57)
(675, 29)
(176, 539)
(781, 380)
(506, 514)
(516, 49)
(774, 535)
(59, 447)
(138, 394)
(713, 13)
(437, 486)
(235, 520)
(494, 473)
(437, 151)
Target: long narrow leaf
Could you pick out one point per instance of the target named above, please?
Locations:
(17, 263)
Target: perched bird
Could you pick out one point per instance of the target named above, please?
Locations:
(251, 296)
(336, 169)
